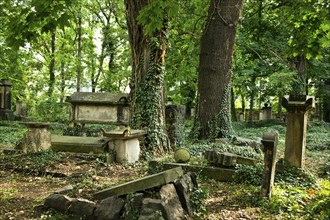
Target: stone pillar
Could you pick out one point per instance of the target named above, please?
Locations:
(37, 138)
(174, 117)
(297, 107)
(5, 100)
(269, 142)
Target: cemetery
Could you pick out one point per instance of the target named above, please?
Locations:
(164, 110)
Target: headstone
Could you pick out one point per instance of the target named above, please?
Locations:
(265, 112)
(5, 100)
(269, 141)
(174, 118)
(297, 108)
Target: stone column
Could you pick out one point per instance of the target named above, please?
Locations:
(297, 107)
(269, 142)
(37, 138)
(5, 100)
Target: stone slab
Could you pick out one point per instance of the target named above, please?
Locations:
(144, 183)
(78, 144)
(217, 173)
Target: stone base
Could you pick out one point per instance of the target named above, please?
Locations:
(127, 150)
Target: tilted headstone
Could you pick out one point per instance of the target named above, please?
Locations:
(269, 141)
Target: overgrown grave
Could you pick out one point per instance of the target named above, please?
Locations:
(165, 195)
(216, 160)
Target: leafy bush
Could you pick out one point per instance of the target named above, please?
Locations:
(11, 133)
(246, 151)
(249, 174)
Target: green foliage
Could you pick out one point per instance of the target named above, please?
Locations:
(249, 174)
(293, 177)
(318, 136)
(198, 200)
(11, 133)
(153, 15)
(246, 151)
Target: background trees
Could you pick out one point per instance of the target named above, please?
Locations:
(51, 48)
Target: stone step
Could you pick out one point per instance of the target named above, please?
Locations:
(144, 183)
(78, 144)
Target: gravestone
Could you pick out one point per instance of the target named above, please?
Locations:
(5, 100)
(297, 107)
(174, 118)
(265, 113)
(269, 141)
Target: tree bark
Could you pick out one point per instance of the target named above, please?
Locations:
(217, 47)
(79, 50)
(147, 81)
(52, 64)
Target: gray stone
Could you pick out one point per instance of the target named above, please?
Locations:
(152, 209)
(58, 202)
(133, 205)
(109, 209)
(147, 182)
(172, 202)
(64, 189)
(82, 207)
(184, 188)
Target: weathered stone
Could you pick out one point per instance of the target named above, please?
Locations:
(109, 209)
(147, 182)
(152, 209)
(58, 202)
(245, 142)
(133, 205)
(78, 144)
(64, 189)
(37, 138)
(269, 140)
(297, 116)
(184, 188)
(217, 173)
(172, 202)
(89, 107)
(126, 144)
(82, 207)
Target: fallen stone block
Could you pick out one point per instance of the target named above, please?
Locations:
(171, 203)
(147, 182)
(152, 209)
(58, 202)
(82, 207)
(185, 187)
(109, 209)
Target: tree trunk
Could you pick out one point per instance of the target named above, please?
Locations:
(300, 88)
(217, 47)
(79, 50)
(52, 65)
(147, 81)
(232, 102)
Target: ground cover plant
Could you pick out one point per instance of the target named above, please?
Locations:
(26, 179)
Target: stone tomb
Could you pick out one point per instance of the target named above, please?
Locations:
(106, 108)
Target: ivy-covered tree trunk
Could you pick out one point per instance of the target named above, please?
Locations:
(79, 50)
(217, 47)
(52, 64)
(300, 87)
(147, 81)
